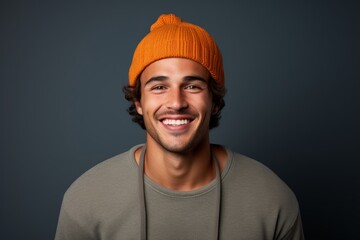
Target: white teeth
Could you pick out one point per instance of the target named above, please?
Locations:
(175, 122)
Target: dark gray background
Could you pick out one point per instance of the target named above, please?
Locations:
(292, 74)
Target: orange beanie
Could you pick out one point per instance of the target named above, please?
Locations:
(171, 37)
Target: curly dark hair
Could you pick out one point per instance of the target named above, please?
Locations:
(133, 93)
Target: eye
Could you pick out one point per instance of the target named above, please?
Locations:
(158, 88)
(194, 88)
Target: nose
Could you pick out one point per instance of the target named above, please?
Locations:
(176, 100)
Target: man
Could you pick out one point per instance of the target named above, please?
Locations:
(178, 185)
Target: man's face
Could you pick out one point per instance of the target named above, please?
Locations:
(176, 104)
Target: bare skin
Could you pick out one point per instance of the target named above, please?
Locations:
(176, 104)
(176, 183)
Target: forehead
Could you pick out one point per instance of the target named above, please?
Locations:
(174, 67)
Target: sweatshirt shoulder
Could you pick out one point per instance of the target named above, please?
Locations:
(261, 181)
(114, 166)
(86, 202)
(108, 175)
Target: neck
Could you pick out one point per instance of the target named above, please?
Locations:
(180, 171)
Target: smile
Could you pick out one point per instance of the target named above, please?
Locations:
(177, 122)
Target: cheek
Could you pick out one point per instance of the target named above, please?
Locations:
(203, 105)
(144, 105)
(150, 104)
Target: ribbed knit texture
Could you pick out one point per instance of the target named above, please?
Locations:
(170, 37)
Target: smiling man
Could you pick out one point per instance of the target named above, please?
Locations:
(178, 185)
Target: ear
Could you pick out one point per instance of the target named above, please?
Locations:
(138, 107)
(214, 109)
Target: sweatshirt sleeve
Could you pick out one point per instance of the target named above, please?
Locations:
(296, 231)
(71, 224)
(74, 220)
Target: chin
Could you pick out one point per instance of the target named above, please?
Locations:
(178, 148)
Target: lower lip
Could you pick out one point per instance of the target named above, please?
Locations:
(177, 128)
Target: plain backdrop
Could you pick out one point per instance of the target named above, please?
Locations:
(292, 78)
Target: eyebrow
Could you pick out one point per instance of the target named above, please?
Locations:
(195, 77)
(186, 78)
(156, 79)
